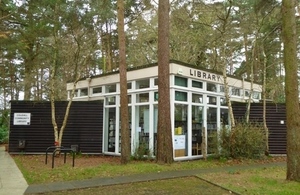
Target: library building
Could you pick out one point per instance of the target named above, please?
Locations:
(198, 106)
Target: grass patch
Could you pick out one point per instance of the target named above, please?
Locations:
(259, 181)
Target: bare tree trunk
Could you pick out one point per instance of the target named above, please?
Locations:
(164, 131)
(125, 133)
(291, 89)
(264, 102)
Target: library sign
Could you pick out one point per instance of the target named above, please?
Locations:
(22, 118)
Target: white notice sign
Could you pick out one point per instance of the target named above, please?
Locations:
(22, 118)
(179, 142)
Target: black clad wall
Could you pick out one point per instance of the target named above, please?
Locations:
(84, 127)
(276, 122)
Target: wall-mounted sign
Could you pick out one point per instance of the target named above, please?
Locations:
(22, 118)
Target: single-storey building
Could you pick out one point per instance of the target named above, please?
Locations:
(197, 103)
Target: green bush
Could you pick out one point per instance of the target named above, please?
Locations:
(244, 141)
(142, 152)
(4, 121)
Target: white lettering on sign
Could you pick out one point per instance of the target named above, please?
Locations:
(22, 118)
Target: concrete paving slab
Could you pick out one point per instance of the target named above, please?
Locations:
(12, 181)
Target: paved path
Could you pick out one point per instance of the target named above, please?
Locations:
(12, 181)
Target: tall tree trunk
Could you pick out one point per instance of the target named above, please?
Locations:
(125, 133)
(264, 100)
(291, 89)
(164, 131)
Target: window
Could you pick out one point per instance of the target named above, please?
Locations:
(211, 87)
(96, 90)
(110, 88)
(129, 85)
(83, 92)
(247, 93)
(156, 82)
(110, 100)
(212, 100)
(235, 91)
(256, 95)
(180, 96)
(223, 102)
(222, 88)
(142, 84)
(197, 84)
(197, 98)
(155, 96)
(180, 81)
(142, 97)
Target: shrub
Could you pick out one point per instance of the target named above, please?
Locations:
(142, 152)
(244, 141)
(4, 120)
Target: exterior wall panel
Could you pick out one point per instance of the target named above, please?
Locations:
(276, 122)
(84, 127)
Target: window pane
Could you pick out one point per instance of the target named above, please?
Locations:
(128, 85)
(197, 84)
(111, 100)
(156, 82)
(211, 100)
(84, 92)
(142, 97)
(180, 96)
(97, 90)
(197, 98)
(211, 87)
(142, 84)
(223, 102)
(110, 88)
(235, 91)
(180, 81)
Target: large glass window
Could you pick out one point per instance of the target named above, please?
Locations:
(142, 129)
(256, 95)
(180, 131)
(211, 128)
(197, 120)
(180, 81)
(110, 129)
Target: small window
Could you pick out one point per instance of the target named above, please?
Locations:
(180, 81)
(83, 92)
(247, 93)
(211, 100)
(197, 84)
(156, 82)
(97, 90)
(211, 87)
(142, 84)
(223, 102)
(110, 88)
(111, 100)
(142, 97)
(129, 86)
(222, 88)
(155, 96)
(75, 93)
(235, 91)
(256, 95)
(180, 96)
(197, 98)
